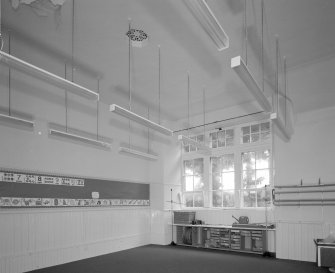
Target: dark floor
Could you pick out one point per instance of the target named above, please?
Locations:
(178, 259)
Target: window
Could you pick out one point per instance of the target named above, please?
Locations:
(236, 174)
(194, 182)
(255, 133)
(223, 181)
(191, 148)
(255, 176)
(222, 138)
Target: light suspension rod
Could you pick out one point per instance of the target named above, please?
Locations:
(139, 119)
(16, 120)
(42, 74)
(72, 136)
(208, 22)
(239, 66)
(127, 150)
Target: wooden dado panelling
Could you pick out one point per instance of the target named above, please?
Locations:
(37, 238)
(294, 240)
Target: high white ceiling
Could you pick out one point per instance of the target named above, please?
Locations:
(306, 30)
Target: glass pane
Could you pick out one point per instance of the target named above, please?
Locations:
(198, 200)
(228, 163)
(249, 198)
(246, 139)
(214, 144)
(254, 138)
(188, 197)
(265, 126)
(255, 128)
(248, 161)
(188, 167)
(230, 133)
(198, 166)
(262, 197)
(228, 199)
(246, 130)
(221, 143)
(188, 183)
(228, 180)
(265, 135)
(215, 161)
(192, 148)
(200, 138)
(248, 179)
(198, 183)
(213, 136)
(216, 182)
(221, 134)
(186, 148)
(262, 178)
(229, 141)
(217, 198)
(263, 159)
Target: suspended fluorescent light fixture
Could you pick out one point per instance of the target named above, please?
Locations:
(238, 65)
(209, 22)
(16, 120)
(127, 150)
(64, 134)
(280, 126)
(42, 74)
(139, 119)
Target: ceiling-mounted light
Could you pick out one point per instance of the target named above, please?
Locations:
(137, 37)
(238, 65)
(42, 74)
(280, 126)
(16, 120)
(200, 146)
(64, 134)
(139, 119)
(127, 150)
(209, 22)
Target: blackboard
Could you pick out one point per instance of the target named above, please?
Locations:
(20, 188)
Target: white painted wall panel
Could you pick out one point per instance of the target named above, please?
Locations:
(36, 238)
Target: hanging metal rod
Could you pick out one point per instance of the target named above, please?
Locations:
(308, 191)
(305, 200)
(304, 186)
(304, 204)
(218, 121)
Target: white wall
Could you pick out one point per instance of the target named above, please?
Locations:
(308, 156)
(34, 238)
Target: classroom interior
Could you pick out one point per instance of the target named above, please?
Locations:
(167, 136)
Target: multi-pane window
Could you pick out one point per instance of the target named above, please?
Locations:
(222, 138)
(192, 148)
(255, 176)
(194, 182)
(255, 133)
(223, 181)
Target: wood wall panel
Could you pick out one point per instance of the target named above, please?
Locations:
(38, 238)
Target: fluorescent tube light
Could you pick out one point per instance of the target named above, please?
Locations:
(200, 146)
(42, 74)
(79, 138)
(141, 120)
(138, 153)
(209, 23)
(243, 72)
(280, 126)
(15, 120)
